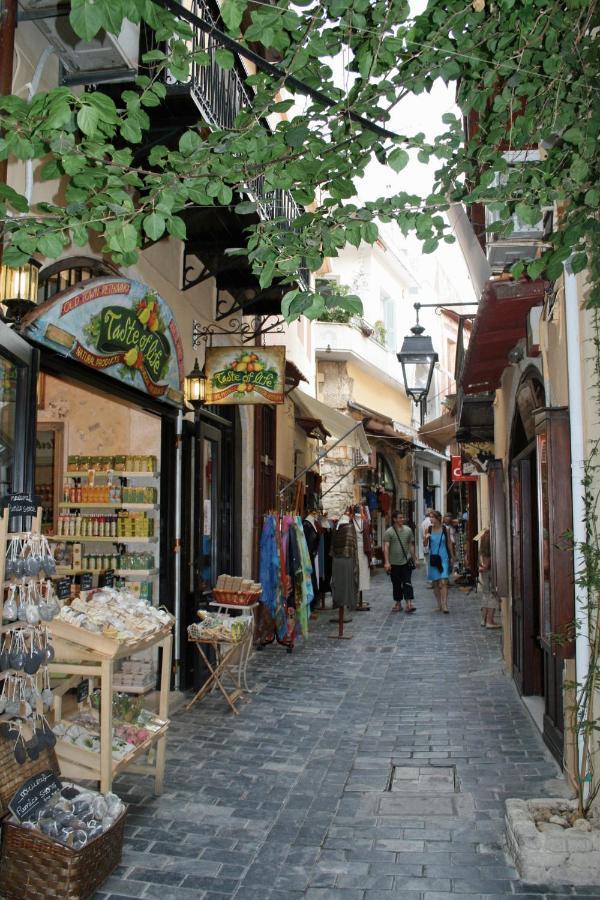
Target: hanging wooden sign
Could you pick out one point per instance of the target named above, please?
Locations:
(117, 326)
(245, 375)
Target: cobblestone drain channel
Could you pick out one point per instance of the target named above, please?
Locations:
(370, 769)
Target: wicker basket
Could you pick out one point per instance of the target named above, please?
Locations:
(32, 866)
(236, 598)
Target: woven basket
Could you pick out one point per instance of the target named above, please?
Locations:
(236, 598)
(32, 866)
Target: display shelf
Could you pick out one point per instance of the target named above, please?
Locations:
(74, 474)
(134, 689)
(64, 505)
(90, 655)
(148, 573)
(118, 539)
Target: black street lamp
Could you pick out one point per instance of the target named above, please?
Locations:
(195, 388)
(417, 358)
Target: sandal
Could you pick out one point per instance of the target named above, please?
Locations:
(396, 608)
(411, 609)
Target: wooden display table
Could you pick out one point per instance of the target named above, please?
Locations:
(81, 653)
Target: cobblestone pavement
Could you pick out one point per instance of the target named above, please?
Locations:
(369, 769)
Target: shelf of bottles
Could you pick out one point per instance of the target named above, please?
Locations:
(100, 507)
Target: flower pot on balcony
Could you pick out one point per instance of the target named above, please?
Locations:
(549, 845)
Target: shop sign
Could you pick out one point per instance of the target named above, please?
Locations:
(245, 375)
(116, 326)
(476, 457)
(457, 470)
(33, 794)
(21, 504)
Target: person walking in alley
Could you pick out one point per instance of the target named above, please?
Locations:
(425, 526)
(441, 558)
(489, 604)
(399, 560)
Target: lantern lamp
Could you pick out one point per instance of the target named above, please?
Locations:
(19, 289)
(195, 387)
(417, 358)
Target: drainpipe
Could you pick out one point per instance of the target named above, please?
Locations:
(576, 399)
(177, 651)
(32, 88)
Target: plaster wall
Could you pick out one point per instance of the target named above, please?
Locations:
(376, 395)
(97, 425)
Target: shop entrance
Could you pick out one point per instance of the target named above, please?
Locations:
(17, 411)
(211, 532)
(536, 671)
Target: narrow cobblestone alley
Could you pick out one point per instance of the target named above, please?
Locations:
(369, 769)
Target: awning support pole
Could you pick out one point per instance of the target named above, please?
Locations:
(319, 457)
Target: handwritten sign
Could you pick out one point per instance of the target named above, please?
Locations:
(33, 794)
(21, 504)
(86, 581)
(63, 588)
(107, 579)
(245, 375)
(83, 690)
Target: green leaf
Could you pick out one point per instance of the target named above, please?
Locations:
(87, 120)
(430, 245)
(579, 262)
(154, 56)
(369, 232)
(296, 135)
(579, 170)
(529, 214)
(177, 228)
(50, 245)
(17, 201)
(189, 142)
(154, 226)
(232, 12)
(85, 18)
(58, 115)
(224, 58)
(14, 257)
(104, 105)
(266, 276)
(398, 159)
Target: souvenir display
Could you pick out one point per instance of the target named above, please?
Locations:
(219, 627)
(74, 815)
(116, 614)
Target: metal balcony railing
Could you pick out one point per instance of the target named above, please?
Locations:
(220, 95)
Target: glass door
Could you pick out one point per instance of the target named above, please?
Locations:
(209, 479)
(17, 412)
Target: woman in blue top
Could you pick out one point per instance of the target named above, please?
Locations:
(440, 545)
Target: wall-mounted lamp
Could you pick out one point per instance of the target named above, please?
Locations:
(19, 289)
(195, 387)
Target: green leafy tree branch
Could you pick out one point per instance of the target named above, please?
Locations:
(526, 69)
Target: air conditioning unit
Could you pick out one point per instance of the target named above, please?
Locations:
(503, 254)
(107, 57)
(433, 478)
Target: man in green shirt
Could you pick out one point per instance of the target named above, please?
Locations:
(399, 559)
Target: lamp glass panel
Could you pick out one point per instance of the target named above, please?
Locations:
(19, 284)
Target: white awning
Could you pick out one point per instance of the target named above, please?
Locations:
(337, 424)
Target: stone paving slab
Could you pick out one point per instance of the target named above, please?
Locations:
(370, 769)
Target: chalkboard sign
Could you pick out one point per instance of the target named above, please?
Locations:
(21, 504)
(63, 588)
(83, 690)
(86, 581)
(107, 579)
(33, 794)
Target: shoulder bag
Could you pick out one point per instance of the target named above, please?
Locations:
(408, 560)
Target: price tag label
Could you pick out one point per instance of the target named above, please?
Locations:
(63, 588)
(33, 794)
(86, 581)
(21, 504)
(83, 691)
(107, 579)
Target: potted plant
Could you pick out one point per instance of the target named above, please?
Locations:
(380, 331)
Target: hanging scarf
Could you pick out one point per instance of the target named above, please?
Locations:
(271, 575)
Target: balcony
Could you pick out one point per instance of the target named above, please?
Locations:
(356, 341)
(220, 95)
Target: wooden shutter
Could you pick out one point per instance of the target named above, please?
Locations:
(498, 535)
(555, 510)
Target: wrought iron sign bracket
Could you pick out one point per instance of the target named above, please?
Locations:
(191, 264)
(250, 330)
